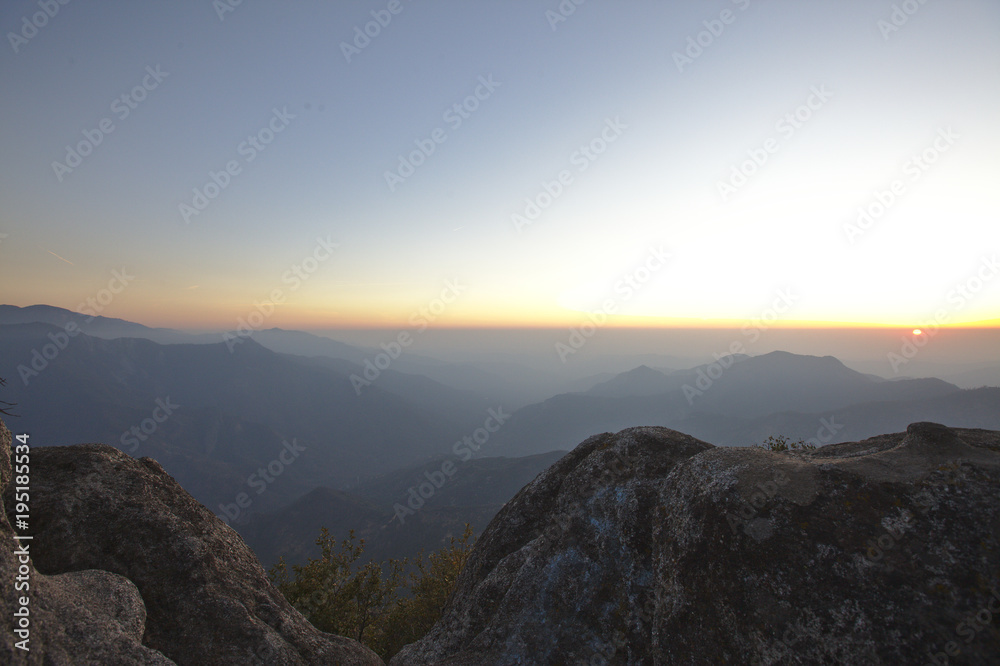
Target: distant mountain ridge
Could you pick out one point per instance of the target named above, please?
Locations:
(236, 409)
(94, 324)
(640, 381)
(460, 376)
(731, 400)
(235, 413)
(284, 401)
(473, 495)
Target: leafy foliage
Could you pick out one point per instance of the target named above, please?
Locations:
(781, 443)
(374, 603)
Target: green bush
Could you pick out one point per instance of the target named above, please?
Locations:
(375, 603)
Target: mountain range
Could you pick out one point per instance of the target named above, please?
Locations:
(274, 435)
(745, 401)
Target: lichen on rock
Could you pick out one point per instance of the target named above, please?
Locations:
(127, 568)
(685, 553)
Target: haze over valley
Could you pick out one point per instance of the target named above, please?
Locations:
(303, 423)
(474, 333)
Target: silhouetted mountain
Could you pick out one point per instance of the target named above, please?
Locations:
(472, 494)
(300, 343)
(980, 407)
(290, 433)
(463, 409)
(509, 384)
(478, 481)
(781, 381)
(512, 384)
(95, 325)
(988, 375)
(236, 412)
(291, 532)
(498, 378)
(640, 381)
(720, 400)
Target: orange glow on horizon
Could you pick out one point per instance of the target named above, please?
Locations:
(206, 316)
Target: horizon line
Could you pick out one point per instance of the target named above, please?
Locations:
(615, 322)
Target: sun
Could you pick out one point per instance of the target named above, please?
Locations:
(917, 331)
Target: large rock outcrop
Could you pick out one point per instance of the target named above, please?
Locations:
(83, 617)
(127, 568)
(650, 547)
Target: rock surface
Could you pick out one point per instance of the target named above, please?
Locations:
(650, 547)
(131, 570)
(83, 617)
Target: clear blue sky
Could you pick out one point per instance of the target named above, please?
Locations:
(671, 131)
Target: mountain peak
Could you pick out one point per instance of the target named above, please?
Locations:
(639, 381)
(642, 371)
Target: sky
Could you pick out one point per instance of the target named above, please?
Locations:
(503, 164)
